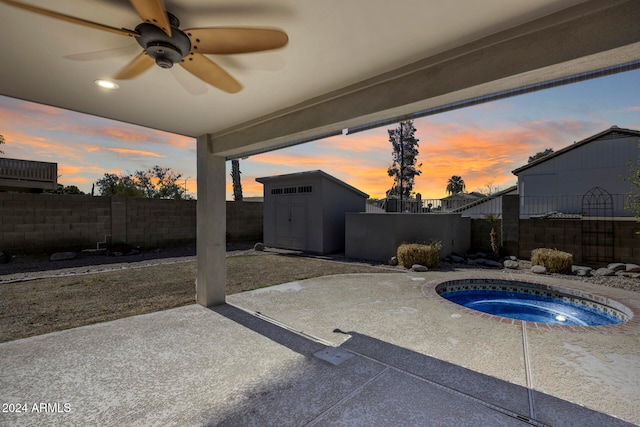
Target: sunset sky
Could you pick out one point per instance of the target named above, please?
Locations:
(483, 144)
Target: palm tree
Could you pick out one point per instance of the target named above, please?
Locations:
(235, 176)
(455, 185)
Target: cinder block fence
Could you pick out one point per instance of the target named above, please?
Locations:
(38, 223)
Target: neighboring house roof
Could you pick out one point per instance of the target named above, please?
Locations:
(611, 133)
(464, 196)
(487, 199)
(307, 174)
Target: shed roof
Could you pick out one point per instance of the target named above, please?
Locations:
(307, 174)
(611, 133)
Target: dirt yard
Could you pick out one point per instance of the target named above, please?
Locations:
(40, 306)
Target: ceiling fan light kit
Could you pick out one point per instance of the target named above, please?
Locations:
(165, 44)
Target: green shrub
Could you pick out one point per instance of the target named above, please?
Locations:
(414, 253)
(553, 260)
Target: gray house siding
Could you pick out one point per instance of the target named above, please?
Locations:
(599, 161)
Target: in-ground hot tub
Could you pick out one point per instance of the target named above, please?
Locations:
(534, 302)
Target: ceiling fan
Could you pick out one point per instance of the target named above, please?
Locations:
(164, 43)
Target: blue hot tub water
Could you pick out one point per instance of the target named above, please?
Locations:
(531, 308)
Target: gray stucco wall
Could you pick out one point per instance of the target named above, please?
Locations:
(376, 237)
(601, 163)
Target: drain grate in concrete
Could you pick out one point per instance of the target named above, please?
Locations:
(333, 355)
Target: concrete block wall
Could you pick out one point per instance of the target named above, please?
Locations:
(566, 235)
(159, 223)
(42, 223)
(480, 234)
(244, 221)
(510, 224)
(627, 238)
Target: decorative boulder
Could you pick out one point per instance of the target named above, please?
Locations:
(617, 266)
(605, 272)
(258, 247)
(631, 268)
(393, 261)
(491, 263)
(581, 271)
(457, 259)
(538, 269)
(62, 256)
(511, 264)
(419, 268)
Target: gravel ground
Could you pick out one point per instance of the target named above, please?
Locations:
(31, 267)
(620, 282)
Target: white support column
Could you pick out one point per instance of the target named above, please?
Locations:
(212, 226)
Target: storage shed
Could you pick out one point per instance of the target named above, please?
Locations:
(306, 211)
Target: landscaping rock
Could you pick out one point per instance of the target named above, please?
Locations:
(633, 268)
(538, 269)
(605, 272)
(419, 268)
(62, 256)
(510, 258)
(3, 258)
(258, 247)
(511, 264)
(457, 259)
(617, 266)
(624, 274)
(393, 261)
(580, 270)
(489, 263)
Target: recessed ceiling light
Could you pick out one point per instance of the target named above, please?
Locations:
(107, 84)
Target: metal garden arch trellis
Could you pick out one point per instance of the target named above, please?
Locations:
(597, 226)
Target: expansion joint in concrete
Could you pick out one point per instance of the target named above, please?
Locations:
(527, 368)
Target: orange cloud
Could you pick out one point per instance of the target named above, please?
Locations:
(130, 152)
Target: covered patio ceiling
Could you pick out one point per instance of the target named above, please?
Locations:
(347, 64)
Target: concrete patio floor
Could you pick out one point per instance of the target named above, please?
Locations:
(352, 350)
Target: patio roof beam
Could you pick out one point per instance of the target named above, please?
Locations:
(592, 35)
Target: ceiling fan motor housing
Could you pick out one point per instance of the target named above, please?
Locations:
(165, 50)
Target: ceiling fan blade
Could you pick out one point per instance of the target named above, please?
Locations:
(153, 12)
(207, 71)
(72, 19)
(223, 41)
(188, 82)
(139, 65)
(104, 54)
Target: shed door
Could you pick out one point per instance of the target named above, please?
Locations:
(291, 225)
